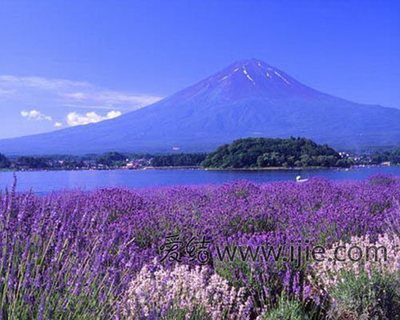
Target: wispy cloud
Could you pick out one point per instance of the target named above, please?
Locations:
(6, 92)
(76, 119)
(35, 115)
(108, 99)
(39, 83)
(65, 102)
(62, 92)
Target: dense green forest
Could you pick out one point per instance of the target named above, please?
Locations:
(268, 152)
(178, 160)
(4, 162)
(392, 156)
(109, 160)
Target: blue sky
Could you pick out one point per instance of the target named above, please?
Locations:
(65, 63)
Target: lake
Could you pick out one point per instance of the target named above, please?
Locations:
(46, 181)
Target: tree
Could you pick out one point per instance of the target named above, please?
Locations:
(178, 160)
(32, 163)
(111, 158)
(267, 152)
(4, 162)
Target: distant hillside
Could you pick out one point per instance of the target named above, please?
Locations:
(247, 99)
(264, 153)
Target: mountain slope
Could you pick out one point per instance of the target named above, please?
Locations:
(249, 98)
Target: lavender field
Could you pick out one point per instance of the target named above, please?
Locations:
(203, 252)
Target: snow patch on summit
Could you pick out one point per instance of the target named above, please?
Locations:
(248, 76)
(282, 77)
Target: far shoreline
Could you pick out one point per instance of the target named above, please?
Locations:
(199, 168)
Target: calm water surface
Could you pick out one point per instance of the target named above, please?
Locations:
(47, 181)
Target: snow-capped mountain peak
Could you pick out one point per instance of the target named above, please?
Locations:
(249, 78)
(248, 98)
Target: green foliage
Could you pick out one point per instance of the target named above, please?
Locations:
(286, 309)
(180, 314)
(176, 160)
(4, 162)
(392, 156)
(362, 297)
(266, 152)
(32, 163)
(111, 158)
(229, 270)
(264, 289)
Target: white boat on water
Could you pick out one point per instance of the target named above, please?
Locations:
(299, 179)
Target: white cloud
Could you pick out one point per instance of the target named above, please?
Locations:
(39, 82)
(63, 102)
(35, 115)
(6, 92)
(109, 99)
(76, 119)
(66, 93)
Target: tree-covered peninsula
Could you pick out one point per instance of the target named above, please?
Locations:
(269, 152)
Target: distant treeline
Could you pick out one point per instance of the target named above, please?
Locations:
(178, 160)
(158, 160)
(242, 153)
(4, 162)
(265, 152)
(392, 156)
(109, 160)
(50, 162)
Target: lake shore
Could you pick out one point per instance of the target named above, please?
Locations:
(43, 182)
(203, 169)
(263, 169)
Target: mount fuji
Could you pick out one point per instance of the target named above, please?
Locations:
(249, 98)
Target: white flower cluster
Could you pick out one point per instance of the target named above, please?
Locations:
(360, 255)
(156, 291)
